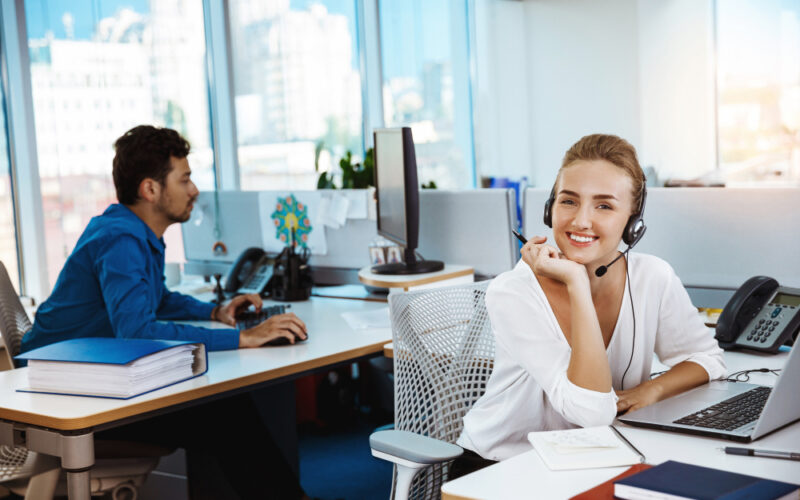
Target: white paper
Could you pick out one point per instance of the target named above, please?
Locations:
(584, 448)
(333, 210)
(357, 203)
(324, 208)
(310, 202)
(363, 320)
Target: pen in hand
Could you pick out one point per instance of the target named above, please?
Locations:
(519, 236)
(786, 455)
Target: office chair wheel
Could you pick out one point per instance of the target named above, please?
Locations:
(125, 491)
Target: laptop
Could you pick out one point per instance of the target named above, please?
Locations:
(728, 410)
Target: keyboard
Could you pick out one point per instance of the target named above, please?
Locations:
(249, 319)
(731, 413)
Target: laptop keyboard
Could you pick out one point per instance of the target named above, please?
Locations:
(731, 413)
(249, 319)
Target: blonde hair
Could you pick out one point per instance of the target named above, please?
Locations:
(612, 149)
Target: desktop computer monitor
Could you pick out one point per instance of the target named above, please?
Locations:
(397, 192)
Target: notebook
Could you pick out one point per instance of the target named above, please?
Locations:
(112, 367)
(584, 448)
(676, 480)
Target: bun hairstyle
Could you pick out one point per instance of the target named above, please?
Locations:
(614, 150)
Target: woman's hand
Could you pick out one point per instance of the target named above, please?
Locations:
(226, 313)
(546, 260)
(640, 396)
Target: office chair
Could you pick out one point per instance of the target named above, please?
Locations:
(120, 467)
(443, 356)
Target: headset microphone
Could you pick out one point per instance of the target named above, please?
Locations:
(602, 269)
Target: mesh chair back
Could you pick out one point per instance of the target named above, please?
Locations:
(14, 322)
(15, 462)
(443, 357)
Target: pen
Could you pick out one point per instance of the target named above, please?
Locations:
(786, 455)
(519, 236)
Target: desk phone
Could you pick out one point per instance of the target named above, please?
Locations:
(761, 316)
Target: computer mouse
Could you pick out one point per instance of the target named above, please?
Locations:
(285, 341)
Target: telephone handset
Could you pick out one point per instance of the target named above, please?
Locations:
(250, 273)
(761, 316)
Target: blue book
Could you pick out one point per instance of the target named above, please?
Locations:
(111, 367)
(676, 480)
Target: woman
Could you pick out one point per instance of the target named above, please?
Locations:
(574, 346)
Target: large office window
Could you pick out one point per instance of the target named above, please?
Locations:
(99, 68)
(8, 227)
(758, 86)
(297, 88)
(426, 84)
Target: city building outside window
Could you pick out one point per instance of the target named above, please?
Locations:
(99, 68)
(297, 89)
(8, 227)
(758, 91)
(426, 85)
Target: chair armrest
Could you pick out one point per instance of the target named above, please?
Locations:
(413, 447)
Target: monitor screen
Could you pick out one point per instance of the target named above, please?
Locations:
(391, 183)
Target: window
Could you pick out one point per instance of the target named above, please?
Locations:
(758, 86)
(296, 86)
(8, 232)
(425, 59)
(115, 64)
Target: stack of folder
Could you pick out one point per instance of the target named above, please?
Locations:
(111, 367)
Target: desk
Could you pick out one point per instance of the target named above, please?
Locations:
(526, 476)
(64, 425)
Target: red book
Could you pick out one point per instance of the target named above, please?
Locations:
(605, 490)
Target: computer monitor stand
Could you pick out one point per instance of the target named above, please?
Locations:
(410, 266)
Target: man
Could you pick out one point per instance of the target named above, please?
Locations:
(112, 285)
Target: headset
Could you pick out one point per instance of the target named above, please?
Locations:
(634, 229)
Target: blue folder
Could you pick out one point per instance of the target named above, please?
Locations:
(112, 351)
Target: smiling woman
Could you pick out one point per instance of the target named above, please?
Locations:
(574, 345)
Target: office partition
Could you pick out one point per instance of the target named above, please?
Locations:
(714, 238)
(469, 227)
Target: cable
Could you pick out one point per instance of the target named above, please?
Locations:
(744, 375)
(740, 376)
(633, 313)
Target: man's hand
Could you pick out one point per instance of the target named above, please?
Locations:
(226, 313)
(642, 395)
(281, 325)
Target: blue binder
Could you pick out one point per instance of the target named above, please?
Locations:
(111, 351)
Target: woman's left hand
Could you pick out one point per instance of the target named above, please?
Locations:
(640, 396)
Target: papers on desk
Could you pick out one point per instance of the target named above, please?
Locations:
(365, 320)
(111, 367)
(585, 448)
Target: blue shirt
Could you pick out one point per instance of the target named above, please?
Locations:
(112, 285)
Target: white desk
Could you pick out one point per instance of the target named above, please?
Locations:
(64, 425)
(526, 476)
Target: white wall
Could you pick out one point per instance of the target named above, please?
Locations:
(501, 116)
(676, 75)
(552, 71)
(583, 73)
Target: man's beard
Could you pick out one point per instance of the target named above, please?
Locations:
(179, 217)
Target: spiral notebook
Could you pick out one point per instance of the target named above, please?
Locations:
(584, 448)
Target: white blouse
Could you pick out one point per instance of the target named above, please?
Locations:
(529, 389)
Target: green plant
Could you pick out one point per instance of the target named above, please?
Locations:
(354, 175)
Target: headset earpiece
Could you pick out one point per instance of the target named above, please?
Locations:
(548, 208)
(635, 228)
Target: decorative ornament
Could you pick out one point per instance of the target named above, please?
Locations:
(291, 217)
